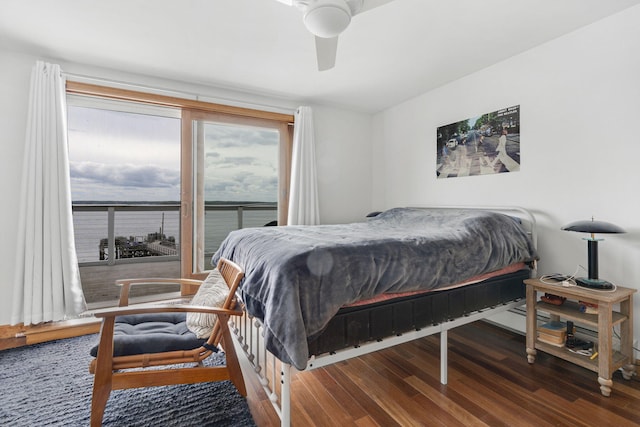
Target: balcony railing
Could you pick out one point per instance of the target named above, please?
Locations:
(108, 234)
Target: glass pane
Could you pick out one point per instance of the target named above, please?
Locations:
(123, 157)
(125, 184)
(89, 228)
(236, 181)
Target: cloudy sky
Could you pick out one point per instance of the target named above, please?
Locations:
(117, 156)
(241, 163)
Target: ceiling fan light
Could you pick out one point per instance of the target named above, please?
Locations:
(327, 19)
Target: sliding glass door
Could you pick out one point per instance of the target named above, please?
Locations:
(238, 178)
(234, 171)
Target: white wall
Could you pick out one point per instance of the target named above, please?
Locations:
(580, 149)
(342, 145)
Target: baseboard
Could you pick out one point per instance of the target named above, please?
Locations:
(12, 336)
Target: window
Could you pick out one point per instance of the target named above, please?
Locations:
(167, 178)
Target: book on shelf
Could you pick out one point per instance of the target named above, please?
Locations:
(551, 339)
(587, 307)
(555, 328)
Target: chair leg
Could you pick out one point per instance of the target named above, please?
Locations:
(233, 366)
(101, 392)
(103, 374)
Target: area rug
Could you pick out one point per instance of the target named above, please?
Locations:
(49, 384)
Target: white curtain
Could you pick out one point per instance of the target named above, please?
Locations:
(47, 279)
(303, 192)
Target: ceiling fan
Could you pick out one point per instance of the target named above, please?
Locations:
(326, 19)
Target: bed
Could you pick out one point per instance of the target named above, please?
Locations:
(314, 295)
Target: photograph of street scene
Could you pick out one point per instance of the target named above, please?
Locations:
(482, 145)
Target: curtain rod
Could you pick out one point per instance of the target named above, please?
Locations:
(81, 78)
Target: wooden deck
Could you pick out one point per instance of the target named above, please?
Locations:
(98, 281)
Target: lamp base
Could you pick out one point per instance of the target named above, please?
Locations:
(593, 283)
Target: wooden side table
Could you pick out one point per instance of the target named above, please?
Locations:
(608, 360)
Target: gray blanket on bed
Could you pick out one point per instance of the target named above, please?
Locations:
(297, 277)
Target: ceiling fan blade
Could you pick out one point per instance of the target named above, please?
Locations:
(326, 52)
(371, 4)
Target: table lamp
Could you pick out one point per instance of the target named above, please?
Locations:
(593, 227)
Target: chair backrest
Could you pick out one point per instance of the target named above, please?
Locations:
(232, 274)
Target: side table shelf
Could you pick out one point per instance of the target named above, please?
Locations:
(570, 310)
(608, 359)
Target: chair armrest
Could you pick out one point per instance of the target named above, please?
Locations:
(164, 308)
(125, 285)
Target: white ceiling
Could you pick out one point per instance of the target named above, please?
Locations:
(387, 55)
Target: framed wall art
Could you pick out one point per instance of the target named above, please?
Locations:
(482, 145)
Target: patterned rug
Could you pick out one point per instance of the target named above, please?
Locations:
(49, 384)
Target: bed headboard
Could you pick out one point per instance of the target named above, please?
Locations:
(526, 218)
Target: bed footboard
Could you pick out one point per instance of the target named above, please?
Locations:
(273, 375)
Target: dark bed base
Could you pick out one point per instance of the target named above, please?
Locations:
(352, 326)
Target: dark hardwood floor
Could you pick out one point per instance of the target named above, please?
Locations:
(489, 383)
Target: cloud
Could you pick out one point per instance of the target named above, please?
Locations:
(231, 136)
(124, 175)
(232, 162)
(243, 187)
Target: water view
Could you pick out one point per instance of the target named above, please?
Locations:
(153, 232)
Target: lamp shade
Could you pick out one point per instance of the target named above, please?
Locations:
(593, 227)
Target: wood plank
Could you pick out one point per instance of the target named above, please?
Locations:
(13, 342)
(347, 402)
(377, 413)
(444, 402)
(306, 411)
(490, 383)
(366, 421)
(379, 385)
(20, 335)
(11, 331)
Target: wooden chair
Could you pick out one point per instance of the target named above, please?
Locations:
(112, 370)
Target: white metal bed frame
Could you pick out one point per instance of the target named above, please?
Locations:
(275, 376)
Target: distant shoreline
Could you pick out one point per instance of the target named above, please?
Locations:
(166, 202)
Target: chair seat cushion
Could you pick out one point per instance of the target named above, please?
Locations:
(151, 333)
